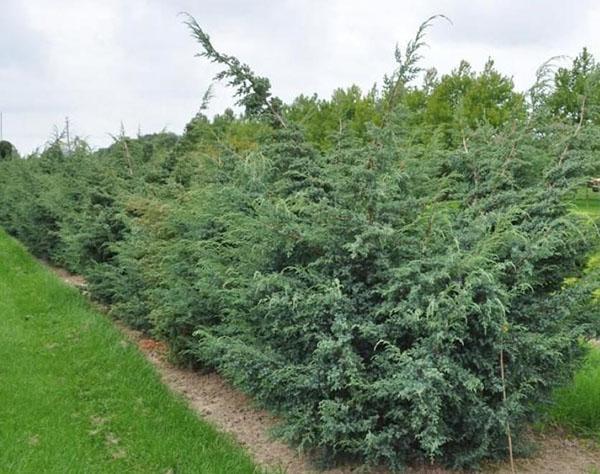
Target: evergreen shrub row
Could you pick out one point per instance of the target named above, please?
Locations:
(397, 274)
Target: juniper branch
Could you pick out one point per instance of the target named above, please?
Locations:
(253, 91)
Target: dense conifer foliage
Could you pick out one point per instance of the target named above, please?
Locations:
(397, 273)
(7, 150)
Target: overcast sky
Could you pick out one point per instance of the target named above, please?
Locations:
(103, 62)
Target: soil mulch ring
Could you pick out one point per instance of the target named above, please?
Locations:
(216, 401)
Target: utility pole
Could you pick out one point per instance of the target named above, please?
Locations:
(1, 135)
(68, 134)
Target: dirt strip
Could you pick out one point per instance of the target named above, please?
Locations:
(216, 401)
(228, 409)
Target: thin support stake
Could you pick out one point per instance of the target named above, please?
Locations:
(508, 435)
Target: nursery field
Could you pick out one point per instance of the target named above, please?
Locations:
(404, 276)
(76, 396)
(89, 402)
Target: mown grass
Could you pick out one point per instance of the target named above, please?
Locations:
(76, 396)
(587, 202)
(577, 405)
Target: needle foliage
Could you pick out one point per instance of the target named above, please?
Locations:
(362, 266)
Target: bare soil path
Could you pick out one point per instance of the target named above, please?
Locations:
(215, 400)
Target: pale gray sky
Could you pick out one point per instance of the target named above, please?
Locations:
(103, 62)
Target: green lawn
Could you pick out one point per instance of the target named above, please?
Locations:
(577, 406)
(587, 202)
(76, 397)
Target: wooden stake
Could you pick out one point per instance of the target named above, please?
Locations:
(508, 435)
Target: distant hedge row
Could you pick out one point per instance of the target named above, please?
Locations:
(362, 266)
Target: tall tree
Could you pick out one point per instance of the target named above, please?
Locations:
(576, 94)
